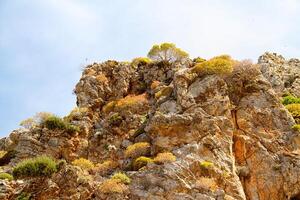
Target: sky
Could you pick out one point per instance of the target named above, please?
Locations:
(44, 44)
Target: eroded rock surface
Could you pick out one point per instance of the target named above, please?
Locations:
(231, 135)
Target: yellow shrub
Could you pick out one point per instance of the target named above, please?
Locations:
(112, 186)
(294, 109)
(131, 100)
(141, 162)
(166, 157)
(83, 163)
(109, 107)
(137, 149)
(206, 164)
(218, 65)
(2, 153)
(164, 92)
(106, 166)
(122, 177)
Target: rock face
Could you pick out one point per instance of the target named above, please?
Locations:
(232, 137)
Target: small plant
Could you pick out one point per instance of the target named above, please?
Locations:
(115, 119)
(111, 186)
(289, 99)
(83, 163)
(137, 149)
(140, 61)
(294, 109)
(24, 196)
(38, 166)
(122, 177)
(106, 166)
(140, 162)
(166, 157)
(218, 65)
(296, 127)
(206, 164)
(207, 183)
(6, 176)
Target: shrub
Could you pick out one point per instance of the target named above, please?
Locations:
(112, 186)
(167, 91)
(36, 120)
(294, 109)
(296, 127)
(115, 119)
(83, 163)
(140, 61)
(167, 52)
(206, 164)
(207, 183)
(131, 100)
(122, 177)
(218, 65)
(141, 162)
(2, 153)
(106, 166)
(137, 149)
(166, 157)
(6, 176)
(109, 107)
(71, 128)
(290, 100)
(38, 166)
(54, 122)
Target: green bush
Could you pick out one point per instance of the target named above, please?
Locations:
(290, 100)
(34, 167)
(122, 177)
(83, 163)
(141, 162)
(218, 65)
(6, 176)
(54, 122)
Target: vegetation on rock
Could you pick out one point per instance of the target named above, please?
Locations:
(122, 177)
(165, 157)
(218, 65)
(289, 99)
(83, 163)
(6, 176)
(167, 52)
(137, 149)
(140, 162)
(43, 166)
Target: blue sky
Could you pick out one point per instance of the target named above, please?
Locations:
(45, 43)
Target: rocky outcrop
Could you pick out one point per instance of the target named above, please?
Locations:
(231, 135)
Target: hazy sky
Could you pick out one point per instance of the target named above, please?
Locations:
(45, 43)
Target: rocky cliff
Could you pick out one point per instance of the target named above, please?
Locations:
(171, 133)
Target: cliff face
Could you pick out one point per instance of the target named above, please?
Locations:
(232, 137)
